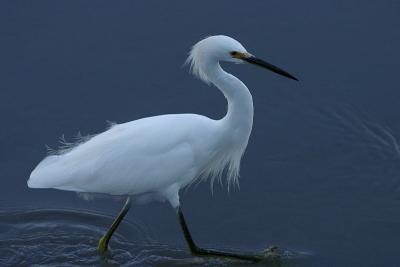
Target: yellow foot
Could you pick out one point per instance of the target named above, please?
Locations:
(272, 253)
(102, 246)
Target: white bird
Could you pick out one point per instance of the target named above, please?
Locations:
(158, 156)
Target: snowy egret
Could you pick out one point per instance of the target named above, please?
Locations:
(157, 156)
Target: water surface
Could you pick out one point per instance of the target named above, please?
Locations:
(320, 177)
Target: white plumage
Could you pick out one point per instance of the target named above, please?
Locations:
(162, 154)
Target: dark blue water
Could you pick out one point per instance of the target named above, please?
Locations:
(320, 178)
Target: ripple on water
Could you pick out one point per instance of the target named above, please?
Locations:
(69, 238)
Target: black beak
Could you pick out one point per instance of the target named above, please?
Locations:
(264, 64)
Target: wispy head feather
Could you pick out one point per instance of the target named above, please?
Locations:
(194, 60)
(211, 50)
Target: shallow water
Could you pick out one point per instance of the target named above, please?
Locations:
(320, 177)
(69, 238)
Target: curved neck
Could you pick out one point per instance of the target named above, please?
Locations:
(240, 112)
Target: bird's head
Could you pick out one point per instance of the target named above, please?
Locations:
(223, 48)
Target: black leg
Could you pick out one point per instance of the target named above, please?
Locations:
(195, 250)
(103, 242)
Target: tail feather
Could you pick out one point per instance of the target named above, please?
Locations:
(39, 177)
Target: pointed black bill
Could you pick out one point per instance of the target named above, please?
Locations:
(264, 64)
